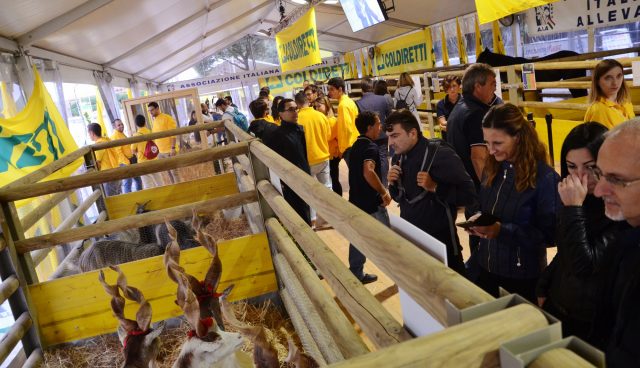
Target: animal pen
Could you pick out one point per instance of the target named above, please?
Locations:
(75, 307)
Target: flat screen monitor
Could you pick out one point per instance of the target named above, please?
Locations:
(364, 13)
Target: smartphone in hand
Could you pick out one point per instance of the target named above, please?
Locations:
(484, 219)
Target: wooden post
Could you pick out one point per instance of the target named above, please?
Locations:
(560, 357)
(252, 210)
(512, 78)
(428, 93)
(8, 287)
(425, 279)
(335, 339)
(308, 343)
(17, 332)
(471, 344)
(15, 232)
(376, 322)
(43, 208)
(147, 167)
(132, 222)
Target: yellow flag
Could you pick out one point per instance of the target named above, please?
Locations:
(35, 137)
(490, 10)
(298, 45)
(431, 47)
(363, 63)
(100, 110)
(498, 45)
(462, 44)
(479, 46)
(445, 52)
(9, 108)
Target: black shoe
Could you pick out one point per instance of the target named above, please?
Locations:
(368, 278)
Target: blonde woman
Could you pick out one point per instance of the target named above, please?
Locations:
(610, 98)
(407, 95)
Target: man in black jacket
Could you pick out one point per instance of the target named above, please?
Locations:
(429, 182)
(289, 142)
(617, 322)
(464, 126)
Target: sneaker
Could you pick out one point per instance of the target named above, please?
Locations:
(368, 278)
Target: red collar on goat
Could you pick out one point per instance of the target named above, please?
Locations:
(135, 332)
(208, 322)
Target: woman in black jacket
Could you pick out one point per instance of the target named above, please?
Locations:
(519, 191)
(569, 286)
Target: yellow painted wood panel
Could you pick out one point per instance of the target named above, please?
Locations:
(172, 195)
(77, 307)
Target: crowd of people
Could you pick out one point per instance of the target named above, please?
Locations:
(491, 163)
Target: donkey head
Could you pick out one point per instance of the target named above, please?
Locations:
(140, 342)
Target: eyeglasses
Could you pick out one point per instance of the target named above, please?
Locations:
(291, 109)
(597, 174)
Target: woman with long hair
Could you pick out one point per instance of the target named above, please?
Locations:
(407, 94)
(275, 115)
(610, 98)
(569, 287)
(518, 193)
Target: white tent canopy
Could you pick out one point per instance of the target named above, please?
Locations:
(155, 40)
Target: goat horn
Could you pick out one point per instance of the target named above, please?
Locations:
(173, 234)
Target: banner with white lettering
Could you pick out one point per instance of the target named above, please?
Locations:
(573, 15)
(403, 54)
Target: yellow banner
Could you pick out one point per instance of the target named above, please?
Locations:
(462, 44)
(279, 84)
(404, 54)
(479, 46)
(490, 10)
(298, 45)
(498, 45)
(35, 137)
(445, 50)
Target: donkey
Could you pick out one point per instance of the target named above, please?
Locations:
(140, 343)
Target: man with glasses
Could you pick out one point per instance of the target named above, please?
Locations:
(289, 142)
(166, 146)
(617, 322)
(429, 182)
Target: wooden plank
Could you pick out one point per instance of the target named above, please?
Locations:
(302, 330)
(376, 322)
(49, 169)
(560, 357)
(471, 344)
(151, 136)
(238, 133)
(132, 222)
(43, 208)
(8, 287)
(425, 279)
(77, 307)
(171, 195)
(17, 331)
(142, 168)
(35, 360)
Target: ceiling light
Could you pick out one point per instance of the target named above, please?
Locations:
(330, 2)
(303, 2)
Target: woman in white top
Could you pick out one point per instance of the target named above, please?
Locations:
(407, 95)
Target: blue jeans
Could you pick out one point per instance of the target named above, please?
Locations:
(127, 183)
(356, 258)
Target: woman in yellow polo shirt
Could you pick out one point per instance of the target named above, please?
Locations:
(610, 98)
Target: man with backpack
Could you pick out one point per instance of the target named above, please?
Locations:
(233, 114)
(145, 151)
(429, 182)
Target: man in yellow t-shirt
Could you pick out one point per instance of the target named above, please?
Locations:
(166, 146)
(105, 158)
(125, 157)
(150, 180)
(346, 130)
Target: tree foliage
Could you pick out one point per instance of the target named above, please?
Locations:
(239, 55)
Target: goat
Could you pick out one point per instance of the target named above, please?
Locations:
(297, 358)
(205, 291)
(207, 346)
(140, 344)
(264, 354)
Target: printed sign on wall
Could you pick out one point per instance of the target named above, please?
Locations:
(572, 15)
(286, 82)
(298, 44)
(403, 54)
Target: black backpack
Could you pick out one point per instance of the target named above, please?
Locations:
(402, 102)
